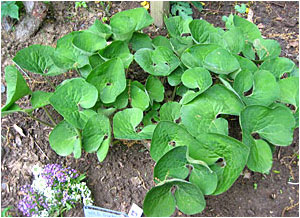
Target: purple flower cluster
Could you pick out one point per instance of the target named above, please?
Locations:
(58, 180)
(32, 203)
(56, 173)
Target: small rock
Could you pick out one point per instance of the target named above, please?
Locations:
(250, 212)
(18, 140)
(2, 88)
(3, 186)
(135, 181)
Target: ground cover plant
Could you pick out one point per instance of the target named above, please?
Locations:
(217, 73)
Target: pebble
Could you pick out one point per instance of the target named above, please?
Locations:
(2, 88)
(250, 212)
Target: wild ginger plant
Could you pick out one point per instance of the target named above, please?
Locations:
(214, 72)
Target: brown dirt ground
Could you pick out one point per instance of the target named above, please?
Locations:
(126, 174)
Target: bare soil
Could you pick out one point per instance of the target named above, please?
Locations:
(126, 174)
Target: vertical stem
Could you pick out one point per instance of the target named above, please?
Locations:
(49, 115)
(173, 93)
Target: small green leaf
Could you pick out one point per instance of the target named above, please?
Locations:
(117, 49)
(109, 79)
(94, 132)
(122, 27)
(267, 48)
(37, 59)
(161, 41)
(40, 99)
(9, 8)
(155, 89)
(174, 79)
(103, 150)
(139, 98)
(159, 62)
(200, 30)
(195, 55)
(16, 86)
(88, 42)
(125, 125)
(177, 26)
(197, 78)
(278, 66)
(101, 29)
(289, 91)
(220, 61)
(140, 40)
(170, 111)
(64, 138)
(71, 97)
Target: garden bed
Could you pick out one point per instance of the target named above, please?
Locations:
(126, 174)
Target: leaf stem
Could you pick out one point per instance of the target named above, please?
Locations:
(173, 93)
(49, 115)
(40, 121)
(50, 83)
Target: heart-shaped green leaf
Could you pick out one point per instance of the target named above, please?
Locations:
(235, 40)
(200, 30)
(71, 97)
(265, 88)
(220, 61)
(245, 64)
(122, 27)
(64, 139)
(289, 91)
(140, 40)
(200, 115)
(159, 201)
(140, 16)
(155, 89)
(177, 26)
(170, 111)
(197, 77)
(95, 131)
(174, 79)
(117, 49)
(109, 79)
(195, 55)
(159, 62)
(126, 125)
(16, 86)
(250, 30)
(101, 29)
(40, 99)
(37, 59)
(139, 98)
(161, 41)
(278, 66)
(180, 44)
(88, 42)
(267, 48)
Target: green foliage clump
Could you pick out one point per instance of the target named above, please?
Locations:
(11, 9)
(214, 73)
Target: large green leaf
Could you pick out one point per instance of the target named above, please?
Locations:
(64, 139)
(16, 86)
(140, 40)
(66, 56)
(267, 48)
(155, 89)
(109, 79)
(250, 30)
(117, 49)
(160, 201)
(195, 55)
(235, 40)
(207, 148)
(278, 66)
(265, 88)
(177, 26)
(170, 111)
(88, 42)
(37, 59)
(200, 30)
(122, 27)
(126, 125)
(274, 125)
(40, 99)
(101, 29)
(159, 62)
(71, 97)
(139, 98)
(220, 61)
(200, 115)
(140, 16)
(289, 91)
(197, 77)
(95, 131)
